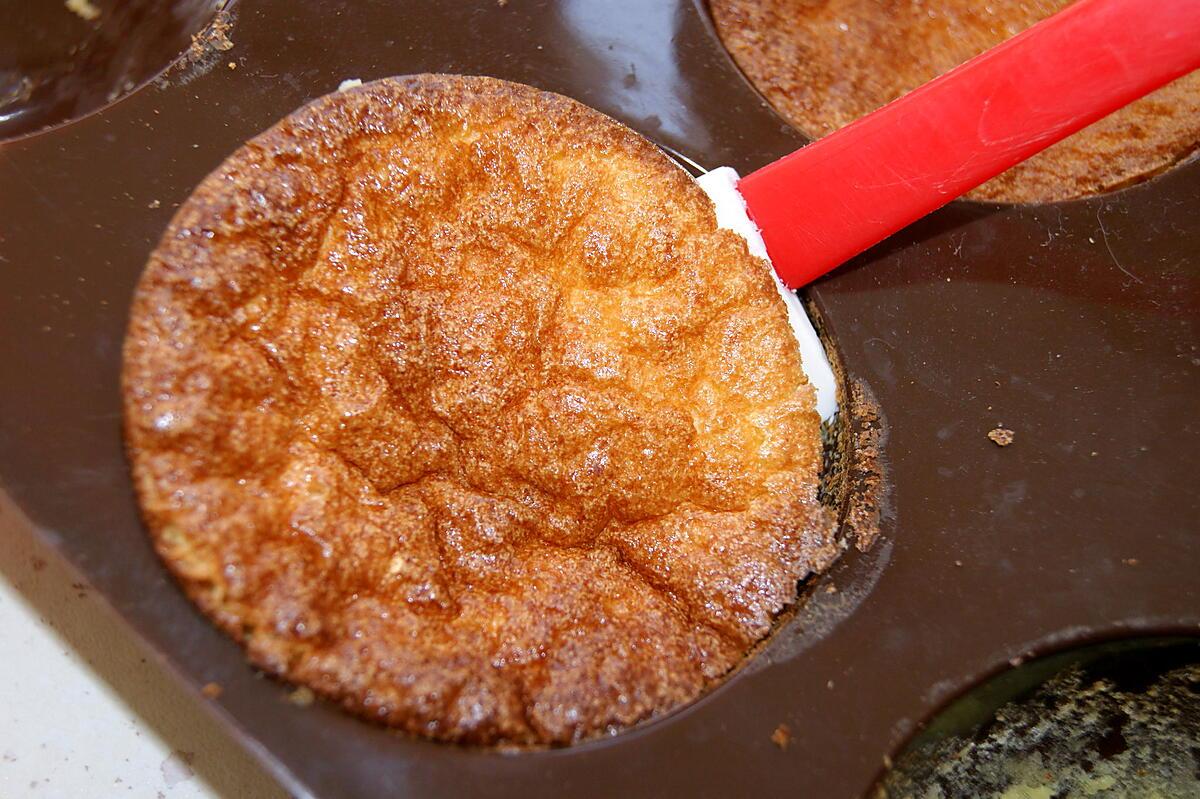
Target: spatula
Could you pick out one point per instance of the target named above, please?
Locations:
(812, 210)
(834, 198)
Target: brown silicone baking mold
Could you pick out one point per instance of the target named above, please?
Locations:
(1073, 324)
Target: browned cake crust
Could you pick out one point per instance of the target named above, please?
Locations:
(825, 63)
(447, 398)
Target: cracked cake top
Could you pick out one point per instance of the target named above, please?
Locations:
(447, 398)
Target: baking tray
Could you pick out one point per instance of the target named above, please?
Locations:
(1074, 324)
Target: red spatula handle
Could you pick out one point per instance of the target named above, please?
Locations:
(836, 197)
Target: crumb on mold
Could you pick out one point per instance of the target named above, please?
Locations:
(84, 9)
(1001, 436)
(871, 494)
(349, 83)
(302, 696)
(211, 690)
(782, 737)
(203, 54)
(214, 38)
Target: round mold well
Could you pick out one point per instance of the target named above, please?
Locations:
(1114, 719)
(60, 61)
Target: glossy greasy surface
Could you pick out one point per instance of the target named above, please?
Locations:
(824, 65)
(447, 398)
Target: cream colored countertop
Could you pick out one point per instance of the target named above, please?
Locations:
(83, 715)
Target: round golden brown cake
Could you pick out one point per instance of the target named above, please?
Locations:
(447, 398)
(824, 63)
